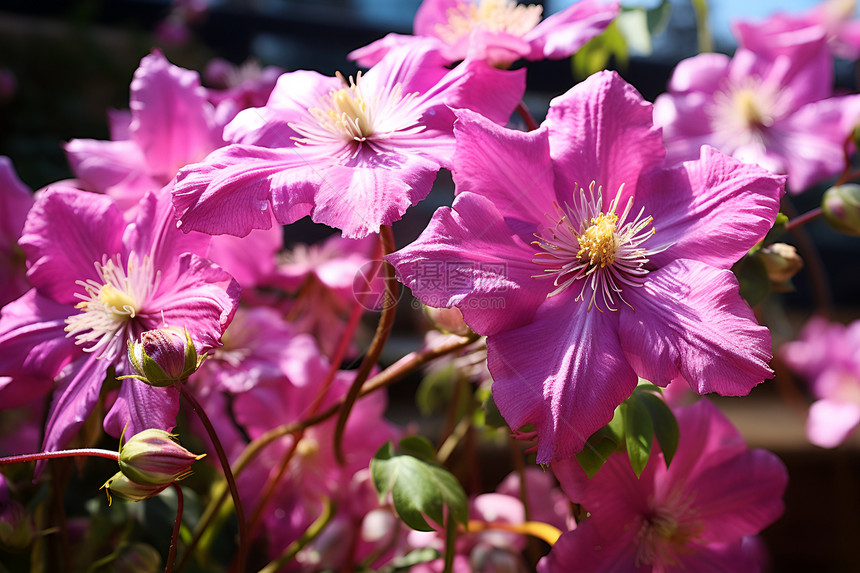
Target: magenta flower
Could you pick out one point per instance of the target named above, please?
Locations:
(99, 282)
(170, 125)
(769, 104)
(15, 202)
(351, 154)
(833, 19)
(497, 31)
(587, 263)
(694, 516)
(827, 355)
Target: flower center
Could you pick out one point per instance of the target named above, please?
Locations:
(110, 303)
(666, 533)
(599, 242)
(352, 115)
(742, 113)
(749, 109)
(493, 15)
(599, 247)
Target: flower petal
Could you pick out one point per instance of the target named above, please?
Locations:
(601, 130)
(712, 210)
(67, 231)
(140, 406)
(469, 258)
(690, 322)
(564, 372)
(232, 191)
(830, 422)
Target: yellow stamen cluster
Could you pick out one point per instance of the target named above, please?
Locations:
(599, 243)
(493, 15)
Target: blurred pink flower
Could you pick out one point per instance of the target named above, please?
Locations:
(827, 355)
(771, 104)
(833, 19)
(694, 516)
(550, 239)
(497, 31)
(171, 124)
(353, 154)
(15, 202)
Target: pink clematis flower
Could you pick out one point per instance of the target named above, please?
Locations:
(99, 282)
(497, 31)
(833, 19)
(353, 155)
(770, 104)
(15, 202)
(171, 124)
(694, 516)
(586, 263)
(827, 355)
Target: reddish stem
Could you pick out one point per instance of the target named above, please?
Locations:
(174, 538)
(527, 116)
(91, 452)
(383, 329)
(803, 219)
(228, 474)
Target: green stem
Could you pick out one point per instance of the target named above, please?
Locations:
(309, 535)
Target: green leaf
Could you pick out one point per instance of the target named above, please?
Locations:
(419, 447)
(435, 390)
(594, 56)
(658, 17)
(753, 279)
(776, 231)
(492, 416)
(638, 432)
(665, 425)
(418, 487)
(601, 444)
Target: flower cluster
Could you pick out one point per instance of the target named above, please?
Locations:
(585, 263)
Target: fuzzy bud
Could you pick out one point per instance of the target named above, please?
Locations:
(123, 488)
(781, 261)
(841, 207)
(16, 527)
(137, 558)
(448, 320)
(164, 356)
(153, 458)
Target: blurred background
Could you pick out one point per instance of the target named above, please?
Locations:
(64, 64)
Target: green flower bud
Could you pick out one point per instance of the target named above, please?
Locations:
(163, 357)
(137, 558)
(841, 208)
(16, 527)
(153, 458)
(782, 263)
(123, 488)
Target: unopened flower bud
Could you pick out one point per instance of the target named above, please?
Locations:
(449, 320)
(153, 458)
(841, 207)
(16, 528)
(781, 261)
(120, 486)
(137, 558)
(164, 356)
